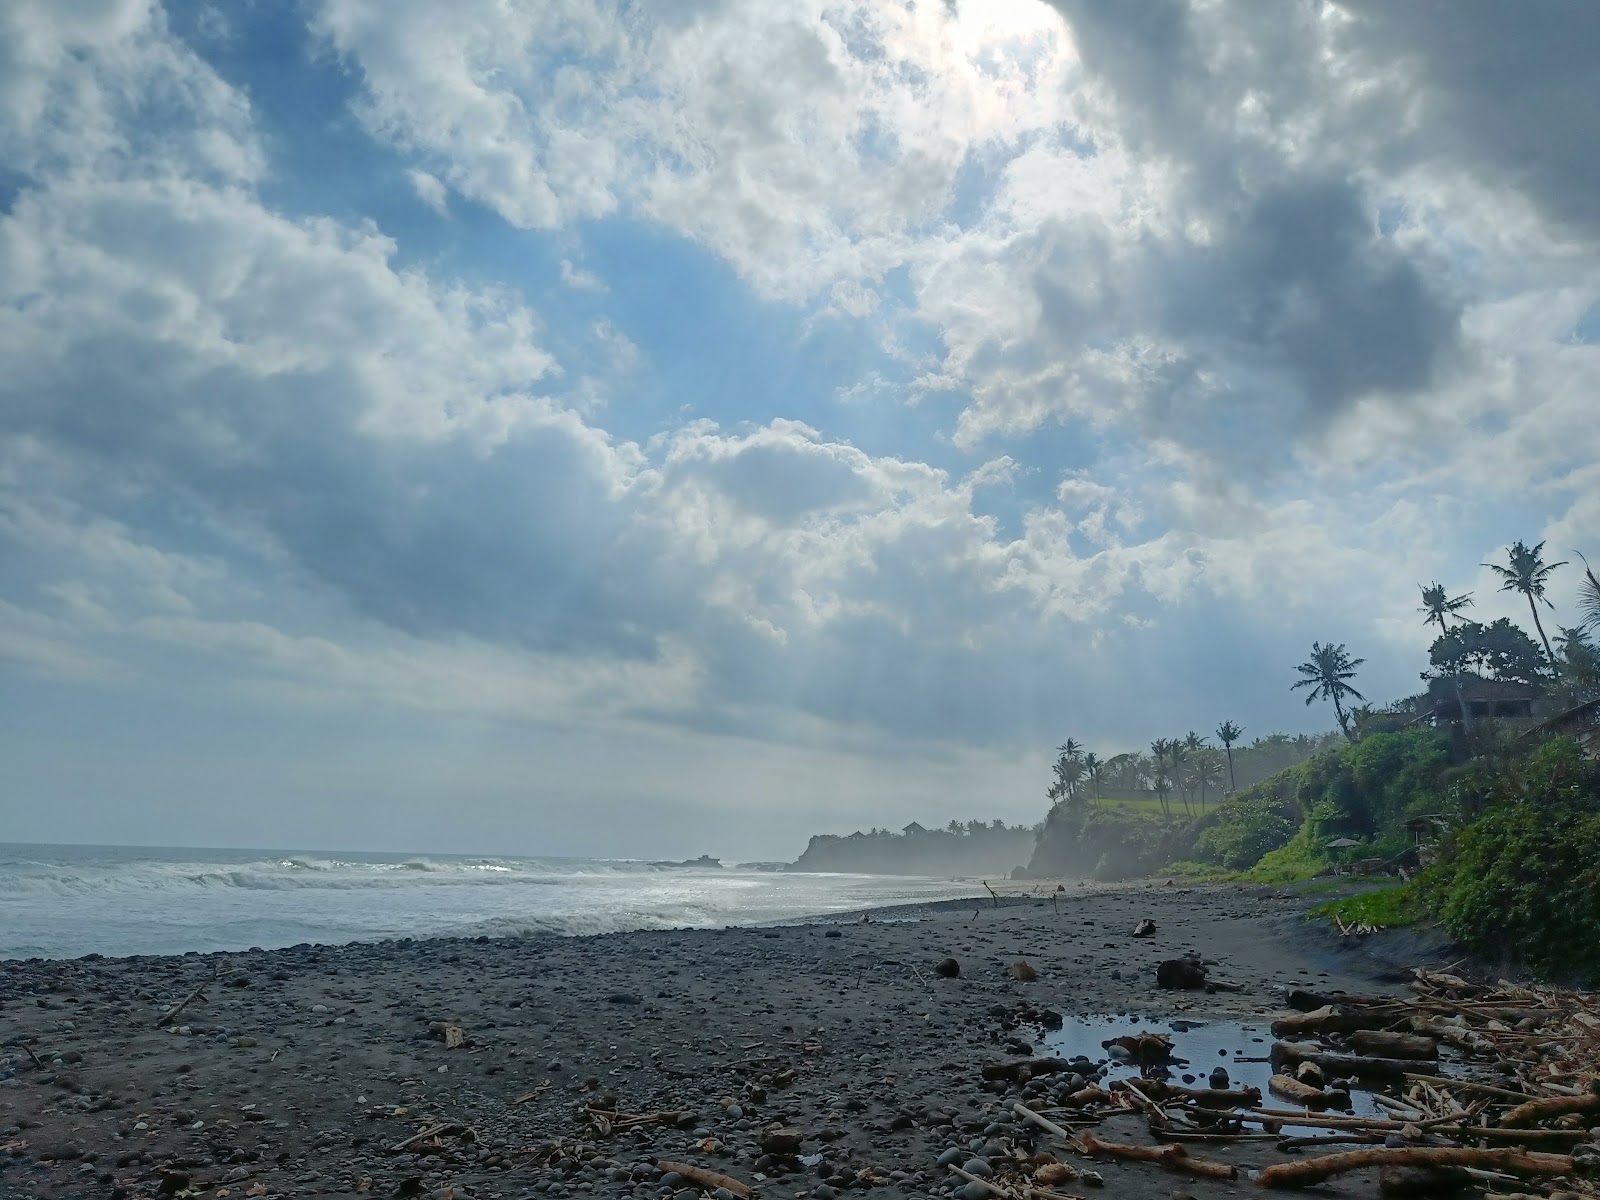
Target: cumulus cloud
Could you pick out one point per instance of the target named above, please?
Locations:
(1259, 266)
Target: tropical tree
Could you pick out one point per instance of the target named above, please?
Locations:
(1207, 772)
(1528, 574)
(1439, 608)
(1228, 733)
(1094, 769)
(1068, 769)
(1159, 778)
(1589, 599)
(1328, 673)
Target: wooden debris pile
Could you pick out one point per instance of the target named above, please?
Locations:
(1515, 1112)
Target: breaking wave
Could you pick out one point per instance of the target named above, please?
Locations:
(67, 901)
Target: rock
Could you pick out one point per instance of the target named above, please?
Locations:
(778, 1140)
(973, 1191)
(1145, 928)
(1186, 974)
(1022, 971)
(953, 1155)
(833, 933)
(947, 968)
(977, 1166)
(623, 998)
(1219, 1077)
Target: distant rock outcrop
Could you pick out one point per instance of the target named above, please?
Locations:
(973, 848)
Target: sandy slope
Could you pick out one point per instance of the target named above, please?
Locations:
(290, 1075)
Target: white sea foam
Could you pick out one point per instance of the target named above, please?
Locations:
(63, 901)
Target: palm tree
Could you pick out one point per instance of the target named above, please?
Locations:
(1228, 733)
(1207, 773)
(1068, 770)
(1328, 673)
(1438, 606)
(1177, 756)
(1158, 774)
(1528, 574)
(1589, 598)
(1094, 768)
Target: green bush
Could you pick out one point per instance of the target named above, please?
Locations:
(1524, 879)
(1375, 784)
(1302, 858)
(1248, 824)
(1386, 908)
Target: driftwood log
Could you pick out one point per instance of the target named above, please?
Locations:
(1305, 1001)
(1033, 1067)
(1297, 1092)
(1172, 1156)
(1341, 1064)
(1394, 1045)
(1160, 1089)
(1536, 1111)
(1315, 1170)
(1335, 1018)
(711, 1180)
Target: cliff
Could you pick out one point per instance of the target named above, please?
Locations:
(976, 850)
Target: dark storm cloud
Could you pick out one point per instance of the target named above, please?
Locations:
(1302, 281)
(1296, 290)
(1510, 91)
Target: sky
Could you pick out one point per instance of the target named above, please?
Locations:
(592, 427)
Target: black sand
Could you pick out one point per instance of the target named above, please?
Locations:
(301, 1068)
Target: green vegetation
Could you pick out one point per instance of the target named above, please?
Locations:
(1485, 769)
(1523, 880)
(1384, 908)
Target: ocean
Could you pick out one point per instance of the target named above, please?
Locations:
(67, 901)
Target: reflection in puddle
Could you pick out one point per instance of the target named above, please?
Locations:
(1199, 1049)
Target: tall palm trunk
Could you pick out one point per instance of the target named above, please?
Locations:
(1344, 721)
(1233, 784)
(1539, 625)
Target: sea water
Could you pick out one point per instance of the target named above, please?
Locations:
(66, 901)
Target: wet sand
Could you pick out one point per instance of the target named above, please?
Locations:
(301, 1069)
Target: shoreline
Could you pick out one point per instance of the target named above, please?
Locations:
(298, 1070)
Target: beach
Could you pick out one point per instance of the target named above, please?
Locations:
(301, 1071)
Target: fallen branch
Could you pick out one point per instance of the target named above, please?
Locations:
(1467, 1085)
(1316, 1170)
(1537, 1111)
(711, 1180)
(1341, 1064)
(1173, 1156)
(171, 1014)
(1394, 1045)
(1033, 1118)
(446, 1127)
(1160, 1089)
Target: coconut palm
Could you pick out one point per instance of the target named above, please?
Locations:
(1207, 772)
(1528, 574)
(1439, 608)
(1159, 778)
(1068, 769)
(1328, 673)
(1589, 598)
(1094, 770)
(1228, 733)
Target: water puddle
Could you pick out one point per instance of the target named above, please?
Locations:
(1199, 1048)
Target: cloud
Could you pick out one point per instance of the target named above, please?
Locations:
(430, 191)
(1259, 350)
